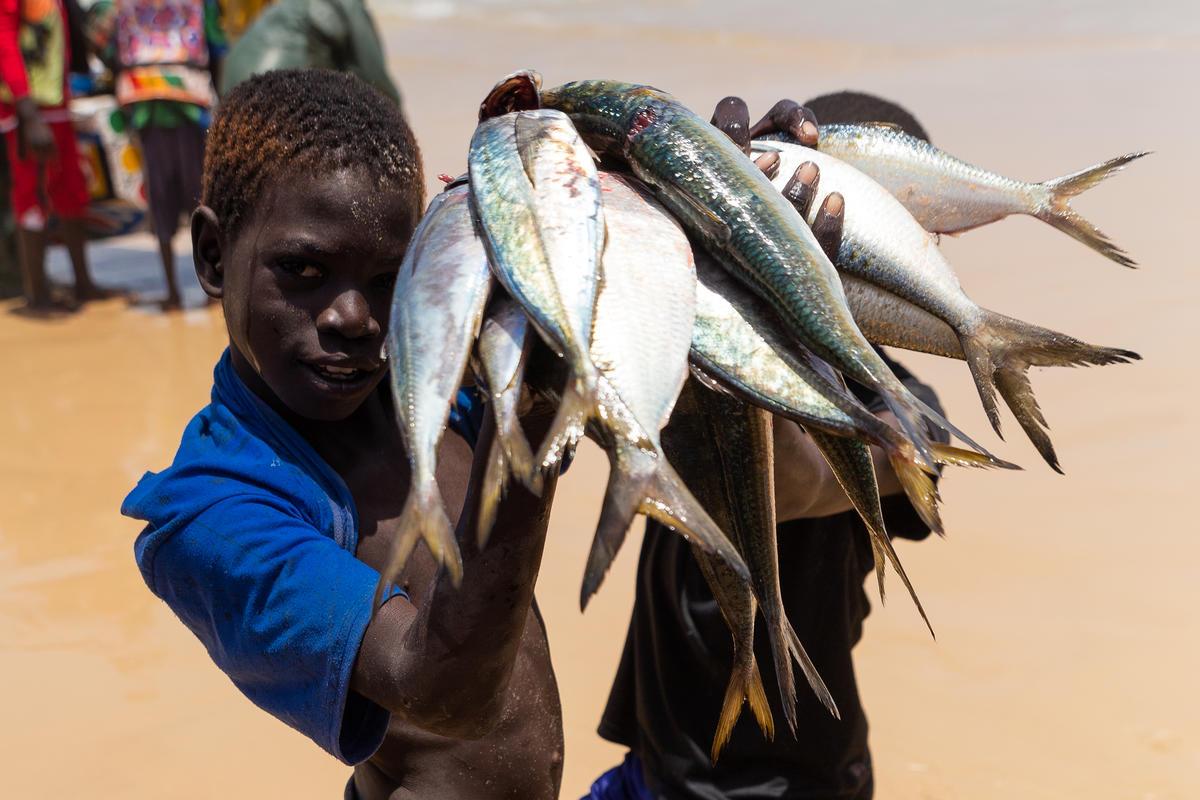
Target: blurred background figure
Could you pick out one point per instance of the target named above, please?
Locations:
(165, 56)
(324, 34)
(44, 175)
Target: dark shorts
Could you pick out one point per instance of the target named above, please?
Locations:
(173, 161)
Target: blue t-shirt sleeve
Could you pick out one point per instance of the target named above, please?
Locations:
(281, 608)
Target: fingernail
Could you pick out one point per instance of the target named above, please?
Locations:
(808, 133)
(769, 164)
(834, 204)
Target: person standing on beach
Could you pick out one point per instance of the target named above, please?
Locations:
(664, 707)
(314, 34)
(165, 56)
(267, 532)
(43, 159)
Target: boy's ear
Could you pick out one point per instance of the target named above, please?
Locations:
(206, 251)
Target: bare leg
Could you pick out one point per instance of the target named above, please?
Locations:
(173, 302)
(74, 237)
(31, 247)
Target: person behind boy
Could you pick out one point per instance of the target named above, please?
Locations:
(322, 34)
(266, 533)
(43, 160)
(662, 706)
(164, 55)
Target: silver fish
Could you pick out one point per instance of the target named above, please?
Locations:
(500, 354)
(437, 305)
(883, 245)
(723, 198)
(948, 195)
(689, 442)
(640, 344)
(535, 188)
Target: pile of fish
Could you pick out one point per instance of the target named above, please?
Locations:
(673, 304)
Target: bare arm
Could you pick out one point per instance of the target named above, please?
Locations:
(444, 664)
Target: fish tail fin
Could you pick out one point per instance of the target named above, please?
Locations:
(1011, 348)
(909, 413)
(577, 405)
(491, 490)
(745, 686)
(958, 457)
(918, 486)
(518, 454)
(423, 518)
(882, 546)
(810, 672)
(979, 359)
(1056, 209)
(642, 482)
(782, 636)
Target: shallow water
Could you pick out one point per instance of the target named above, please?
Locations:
(1067, 643)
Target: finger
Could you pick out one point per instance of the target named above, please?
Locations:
(790, 118)
(733, 118)
(769, 164)
(801, 188)
(827, 227)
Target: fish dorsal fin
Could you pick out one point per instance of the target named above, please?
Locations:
(887, 126)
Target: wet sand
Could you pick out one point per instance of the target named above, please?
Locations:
(1067, 642)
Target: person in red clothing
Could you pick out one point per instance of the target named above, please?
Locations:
(45, 172)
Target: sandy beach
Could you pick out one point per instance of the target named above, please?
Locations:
(1068, 643)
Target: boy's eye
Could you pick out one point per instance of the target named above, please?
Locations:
(300, 269)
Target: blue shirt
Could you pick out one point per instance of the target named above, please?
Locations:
(250, 539)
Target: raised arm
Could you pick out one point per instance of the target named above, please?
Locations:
(443, 664)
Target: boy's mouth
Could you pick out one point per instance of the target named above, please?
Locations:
(342, 377)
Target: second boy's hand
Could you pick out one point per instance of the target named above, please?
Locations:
(805, 486)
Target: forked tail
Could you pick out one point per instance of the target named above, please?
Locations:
(810, 672)
(852, 466)
(577, 405)
(642, 482)
(509, 455)
(1000, 352)
(745, 686)
(423, 517)
(1056, 207)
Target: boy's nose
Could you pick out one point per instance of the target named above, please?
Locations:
(349, 315)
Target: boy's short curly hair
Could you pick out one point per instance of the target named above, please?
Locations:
(307, 120)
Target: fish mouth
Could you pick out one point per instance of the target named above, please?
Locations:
(516, 92)
(342, 376)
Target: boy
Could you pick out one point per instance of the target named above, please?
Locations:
(663, 706)
(266, 532)
(40, 140)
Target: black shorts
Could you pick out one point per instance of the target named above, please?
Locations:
(173, 161)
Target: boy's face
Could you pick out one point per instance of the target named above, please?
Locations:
(307, 289)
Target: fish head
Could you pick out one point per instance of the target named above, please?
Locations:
(516, 92)
(607, 113)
